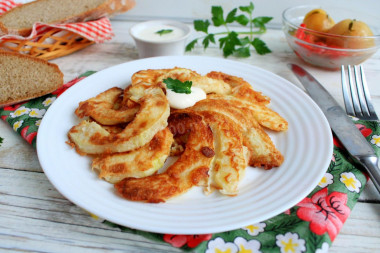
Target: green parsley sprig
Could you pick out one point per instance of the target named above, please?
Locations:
(231, 42)
(164, 31)
(1, 141)
(178, 86)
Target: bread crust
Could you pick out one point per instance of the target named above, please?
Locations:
(107, 9)
(31, 93)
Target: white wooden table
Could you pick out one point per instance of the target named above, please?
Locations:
(34, 217)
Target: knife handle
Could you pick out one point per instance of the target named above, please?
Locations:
(370, 164)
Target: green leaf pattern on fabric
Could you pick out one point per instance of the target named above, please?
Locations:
(310, 226)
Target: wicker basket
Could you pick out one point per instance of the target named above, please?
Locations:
(50, 45)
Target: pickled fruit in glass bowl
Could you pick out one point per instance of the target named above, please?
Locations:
(315, 37)
(318, 20)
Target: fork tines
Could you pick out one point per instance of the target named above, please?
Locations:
(356, 95)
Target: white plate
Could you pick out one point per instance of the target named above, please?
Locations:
(306, 146)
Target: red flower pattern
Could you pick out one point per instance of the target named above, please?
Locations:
(191, 240)
(13, 107)
(325, 212)
(28, 137)
(337, 142)
(364, 130)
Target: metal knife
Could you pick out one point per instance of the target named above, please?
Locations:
(342, 126)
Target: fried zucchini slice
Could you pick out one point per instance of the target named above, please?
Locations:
(254, 136)
(105, 108)
(229, 164)
(91, 138)
(264, 115)
(191, 168)
(240, 88)
(140, 162)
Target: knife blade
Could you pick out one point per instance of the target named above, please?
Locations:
(342, 126)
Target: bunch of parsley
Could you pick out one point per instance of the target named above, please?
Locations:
(230, 42)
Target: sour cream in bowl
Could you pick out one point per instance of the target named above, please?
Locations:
(160, 37)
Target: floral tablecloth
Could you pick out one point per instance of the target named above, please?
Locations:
(310, 226)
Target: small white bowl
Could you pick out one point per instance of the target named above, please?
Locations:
(150, 43)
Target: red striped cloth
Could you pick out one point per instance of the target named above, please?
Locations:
(6, 5)
(98, 30)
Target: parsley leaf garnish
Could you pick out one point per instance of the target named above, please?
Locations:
(178, 86)
(164, 31)
(232, 42)
(1, 140)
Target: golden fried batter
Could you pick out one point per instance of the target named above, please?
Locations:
(262, 152)
(229, 163)
(102, 108)
(191, 168)
(148, 76)
(228, 167)
(140, 162)
(240, 88)
(264, 115)
(267, 155)
(92, 138)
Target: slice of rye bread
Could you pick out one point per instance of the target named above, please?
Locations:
(20, 20)
(24, 77)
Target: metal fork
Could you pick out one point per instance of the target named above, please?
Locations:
(357, 99)
(358, 104)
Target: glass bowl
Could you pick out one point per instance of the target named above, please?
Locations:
(326, 50)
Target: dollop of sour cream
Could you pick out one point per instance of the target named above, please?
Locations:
(183, 100)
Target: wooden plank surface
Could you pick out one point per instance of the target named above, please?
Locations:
(33, 216)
